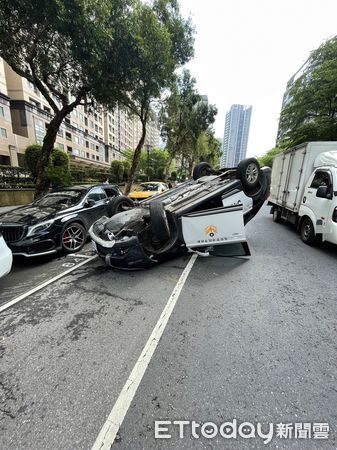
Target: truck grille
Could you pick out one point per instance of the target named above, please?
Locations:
(12, 233)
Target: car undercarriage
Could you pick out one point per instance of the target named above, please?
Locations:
(206, 215)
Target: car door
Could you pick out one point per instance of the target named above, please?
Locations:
(98, 209)
(321, 207)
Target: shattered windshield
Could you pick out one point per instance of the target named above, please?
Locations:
(118, 221)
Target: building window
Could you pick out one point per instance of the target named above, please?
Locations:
(35, 103)
(87, 144)
(97, 158)
(45, 108)
(2, 112)
(87, 154)
(68, 136)
(3, 133)
(39, 130)
(33, 87)
(91, 124)
(77, 140)
(60, 133)
(61, 146)
(69, 149)
(92, 156)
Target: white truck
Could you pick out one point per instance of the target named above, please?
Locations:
(304, 190)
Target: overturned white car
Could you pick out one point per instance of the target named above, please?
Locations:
(205, 214)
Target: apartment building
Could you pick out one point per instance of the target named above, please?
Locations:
(235, 140)
(88, 136)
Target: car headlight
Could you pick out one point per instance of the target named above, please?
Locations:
(36, 229)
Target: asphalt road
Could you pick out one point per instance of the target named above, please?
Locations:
(251, 339)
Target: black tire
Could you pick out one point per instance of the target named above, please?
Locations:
(248, 172)
(260, 191)
(159, 222)
(201, 170)
(308, 231)
(119, 204)
(73, 237)
(277, 215)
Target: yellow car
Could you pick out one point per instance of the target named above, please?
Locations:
(148, 189)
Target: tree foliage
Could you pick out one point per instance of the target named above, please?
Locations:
(62, 47)
(268, 157)
(163, 41)
(152, 163)
(117, 170)
(58, 167)
(185, 117)
(310, 113)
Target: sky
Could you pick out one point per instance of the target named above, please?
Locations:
(246, 51)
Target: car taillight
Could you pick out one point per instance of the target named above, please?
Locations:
(334, 215)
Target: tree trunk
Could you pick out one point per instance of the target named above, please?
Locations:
(167, 167)
(136, 159)
(42, 180)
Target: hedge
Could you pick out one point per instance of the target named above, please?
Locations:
(15, 177)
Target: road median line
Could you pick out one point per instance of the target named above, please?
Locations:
(44, 284)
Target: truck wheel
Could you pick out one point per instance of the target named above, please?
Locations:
(308, 231)
(201, 170)
(248, 172)
(159, 223)
(277, 215)
(119, 204)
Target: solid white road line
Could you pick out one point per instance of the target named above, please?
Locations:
(115, 419)
(44, 284)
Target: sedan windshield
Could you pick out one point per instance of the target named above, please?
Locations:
(148, 187)
(63, 199)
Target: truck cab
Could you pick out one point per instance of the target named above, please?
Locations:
(319, 204)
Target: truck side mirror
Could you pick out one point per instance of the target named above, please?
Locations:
(324, 192)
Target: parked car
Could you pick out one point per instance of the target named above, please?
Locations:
(303, 190)
(6, 258)
(57, 221)
(148, 189)
(204, 214)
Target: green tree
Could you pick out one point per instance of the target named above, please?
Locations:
(208, 148)
(58, 173)
(176, 112)
(268, 157)
(311, 110)
(117, 170)
(164, 41)
(62, 47)
(32, 155)
(184, 118)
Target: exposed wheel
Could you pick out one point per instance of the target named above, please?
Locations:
(308, 231)
(277, 215)
(119, 204)
(201, 170)
(73, 237)
(248, 172)
(159, 222)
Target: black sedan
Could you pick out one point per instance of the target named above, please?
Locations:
(57, 221)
